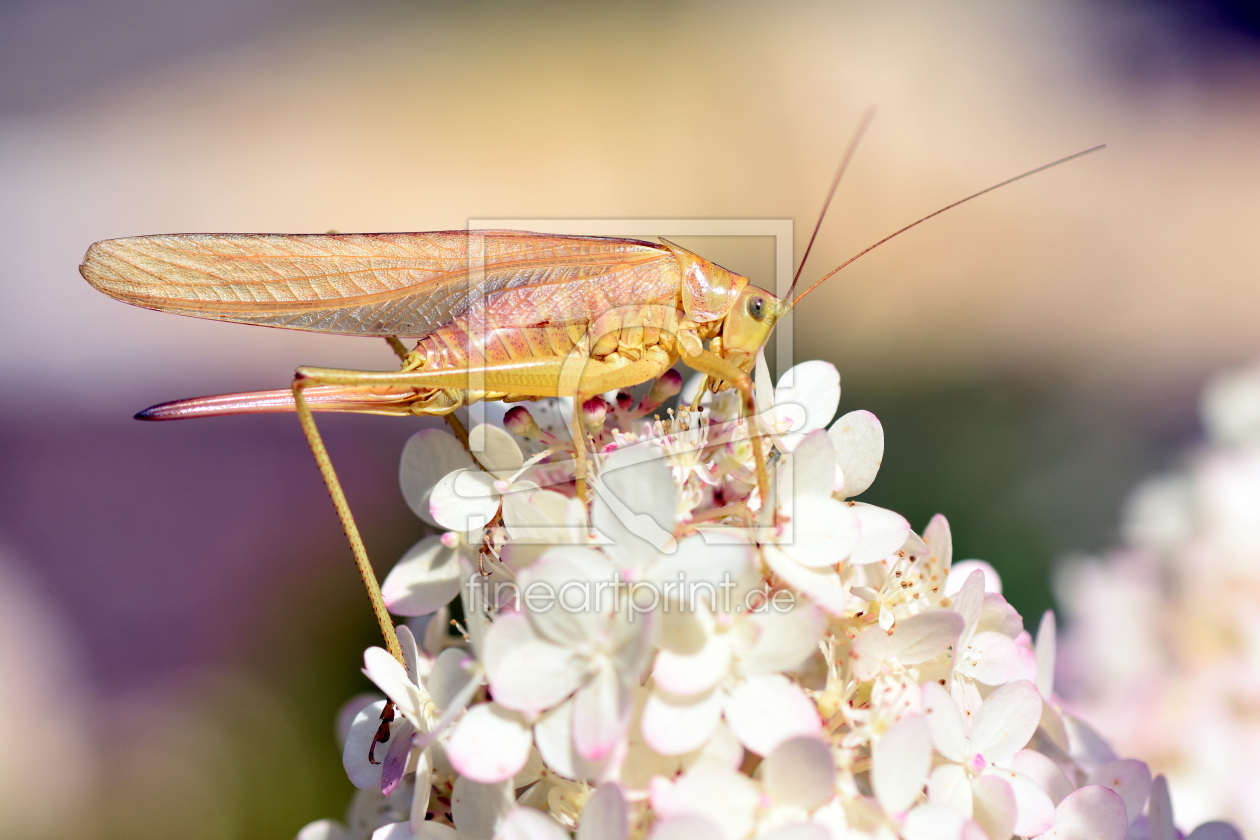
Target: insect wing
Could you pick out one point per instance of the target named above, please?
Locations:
(404, 284)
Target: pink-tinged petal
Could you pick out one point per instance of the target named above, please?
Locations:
(990, 658)
(529, 824)
(925, 636)
(1046, 644)
(495, 449)
(950, 786)
(569, 593)
(962, 570)
(1044, 772)
(1160, 823)
(686, 827)
(424, 580)
(822, 532)
(477, 808)
(1006, 721)
(464, 500)
(421, 790)
(993, 806)
(998, 615)
(452, 671)
(354, 754)
(883, 533)
(695, 671)
(949, 732)
(490, 743)
(765, 710)
(606, 815)
(553, 733)
(528, 673)
(1090, 813)
(1035, 811)
(930, 821)
(323, 830)
(678, 725)
(727, 798)
(390, 676)
(823, 585)
(813, 385)
(1215, 830)
(535, 517)
(784, 639)
(812, 464)
(635, 502)
(429, 455)
(601, 715)
(800, 773)
(899, 763)
(1088, 749)
(798, 831)
(870, 653)
(859, 441)
(1128, 777)
(397, 755)
(939, 542)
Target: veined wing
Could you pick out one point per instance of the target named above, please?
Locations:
(405, 284)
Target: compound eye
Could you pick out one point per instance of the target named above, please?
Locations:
(757, 308)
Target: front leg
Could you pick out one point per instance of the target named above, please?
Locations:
(714, 367)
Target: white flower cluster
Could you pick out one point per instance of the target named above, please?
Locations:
(684, 660)
(1164, 642)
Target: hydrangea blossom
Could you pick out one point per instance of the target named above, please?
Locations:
(1163, 640)
(682, 659)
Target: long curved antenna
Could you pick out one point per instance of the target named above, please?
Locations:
(862, 125)
(865, 251)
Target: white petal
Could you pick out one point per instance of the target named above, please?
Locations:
(933, 822)
(495, 449)
(428, 456)
(869, 654)
(1090, 813)
(801, 773)
(686, 827)
(822, 531)
(553, 734)
(899, 763)
(970, 600)
(452, 671)
(713, 566)
(962, 570)
(784, 639)
(526, 672)
(950, 786)
(1046, 643)
(727, 798)
(635, 503)
(812, 464)
(390, 676)
(823, 585)
(990, 658)
(1006, 721)
(949, 733)
(798, 831)
(323, 830)
(883, 532)
(424, 580)
(1128, 777)
(765, 710)
(815, 386)
(939, 543)
(691, 668)
(601, 715)
(925, 636)
(1033, 808)
(464, 500)
(1214, 830)
(763, 387)
(542, 517)
(859, 441)
(490, 743)
(477, 808)
(579, 588)
(393, 831)
(529, 824)
(354, 754)
(993, 806)
(1160, 816)
(1047, 774)
(430, 830)
(678, 725)
(606, 816)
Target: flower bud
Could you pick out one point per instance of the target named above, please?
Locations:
(594, 411)
(667, 385)
(520, 422)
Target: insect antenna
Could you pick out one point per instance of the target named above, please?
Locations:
(862, 125)
(867, 250)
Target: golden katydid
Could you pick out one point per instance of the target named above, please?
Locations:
(499, 315)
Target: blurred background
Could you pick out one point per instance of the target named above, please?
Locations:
(180, 617)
